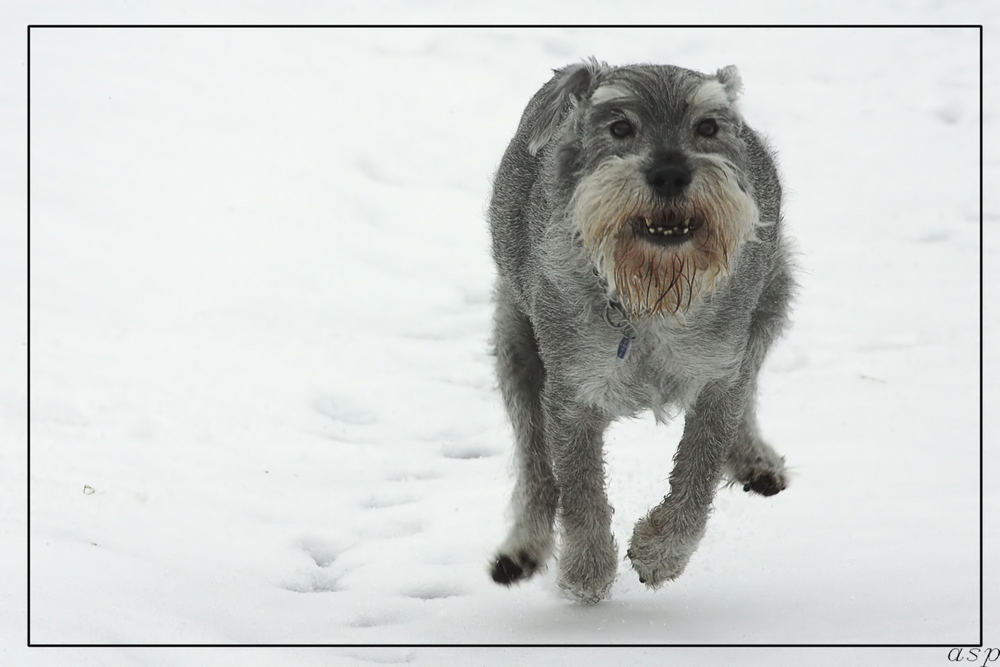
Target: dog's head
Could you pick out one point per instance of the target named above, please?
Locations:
(654, 166)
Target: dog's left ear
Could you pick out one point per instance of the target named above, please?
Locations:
(567, 87)
(731, 81)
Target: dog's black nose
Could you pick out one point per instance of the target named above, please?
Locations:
(669, 174)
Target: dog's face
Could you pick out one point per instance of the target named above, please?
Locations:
(654, 162)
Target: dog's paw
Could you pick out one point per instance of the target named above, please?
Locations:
(761, 470)
(586, 592)
(586, 573)
(658, 556)
(508, 569)
(765, 481)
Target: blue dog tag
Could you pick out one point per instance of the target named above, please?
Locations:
(623, 347)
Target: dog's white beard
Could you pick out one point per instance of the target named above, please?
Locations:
(652, 279)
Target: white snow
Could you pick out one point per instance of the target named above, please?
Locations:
(262, 404)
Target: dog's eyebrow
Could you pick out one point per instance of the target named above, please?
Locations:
(710, 95)
(611, 92)
(726, 112)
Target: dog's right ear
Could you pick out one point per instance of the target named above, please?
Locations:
(565, 89)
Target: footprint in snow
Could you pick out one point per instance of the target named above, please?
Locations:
(433, 592)
(374, 619)
(414, 476)
(322, 552)
(344, 412)
(319, 581)
(468, 451)
(393, 529)
(320, 578)
(380, 501)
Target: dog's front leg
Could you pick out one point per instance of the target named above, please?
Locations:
(588, 558)
(663, 540)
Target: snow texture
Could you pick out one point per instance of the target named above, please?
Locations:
(262, 404)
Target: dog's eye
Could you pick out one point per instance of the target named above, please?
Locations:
(621, 129)
(707, 127)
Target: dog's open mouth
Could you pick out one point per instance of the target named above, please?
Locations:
(670, 228)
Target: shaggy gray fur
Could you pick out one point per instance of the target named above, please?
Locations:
(559, 321)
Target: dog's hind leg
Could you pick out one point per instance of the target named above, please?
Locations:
(533, 505)
(752, 462)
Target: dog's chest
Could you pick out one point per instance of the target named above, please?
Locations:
(660, 368)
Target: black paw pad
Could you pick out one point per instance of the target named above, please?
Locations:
(766, 485)
(505, 570)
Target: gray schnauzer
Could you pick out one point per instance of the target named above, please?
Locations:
(637, 235)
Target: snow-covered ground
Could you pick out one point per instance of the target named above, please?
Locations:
(262, 405)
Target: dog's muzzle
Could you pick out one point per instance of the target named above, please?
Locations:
(658, 253)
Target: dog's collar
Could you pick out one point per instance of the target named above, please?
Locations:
(617, 318)
(613, 307)
(623, 325)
